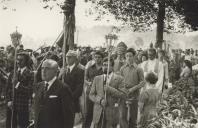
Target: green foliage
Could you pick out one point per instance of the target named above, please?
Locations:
(189, 9)
(176, 109)
(141, 15)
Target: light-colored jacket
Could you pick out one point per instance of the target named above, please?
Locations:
(97, 93)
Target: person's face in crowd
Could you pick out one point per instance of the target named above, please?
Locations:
(184, 64)
(48, 71)
(1, 64)
(98, 59)
(93, 56)
(174, 56)
(129, 57)
(160, 56)
(70, 60)
(139, 57)
(151, 55)
(143, 58)
(105, 67)
(21, 61)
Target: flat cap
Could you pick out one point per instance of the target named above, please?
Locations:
(71, 53)
(23, 53)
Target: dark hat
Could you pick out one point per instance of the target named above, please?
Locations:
(99, 53)
(71, 53)
(25, 54)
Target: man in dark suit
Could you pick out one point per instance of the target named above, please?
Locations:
(18, 106)
(53, 100)
(74, 77)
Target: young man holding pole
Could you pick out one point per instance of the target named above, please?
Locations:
(105, 94)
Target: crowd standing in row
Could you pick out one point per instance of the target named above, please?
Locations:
(123, 90)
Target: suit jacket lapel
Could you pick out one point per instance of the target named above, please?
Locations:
(52, 88)
(73, 70)
(102, 83)
(112, 80)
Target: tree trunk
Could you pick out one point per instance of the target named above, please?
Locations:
(160, 24)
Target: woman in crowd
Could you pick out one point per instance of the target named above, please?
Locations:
(174, 68)
(186, 82)
(148, 101)
(187, 69)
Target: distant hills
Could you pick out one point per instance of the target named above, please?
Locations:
(95, 37)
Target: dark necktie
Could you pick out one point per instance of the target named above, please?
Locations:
(104, 82)
(19, 75)
(45, 90)
(68, 70)
(46, 87)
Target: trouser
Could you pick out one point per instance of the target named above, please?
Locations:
(103, 123)
(88, 113)
(123, 110)
(20, 118)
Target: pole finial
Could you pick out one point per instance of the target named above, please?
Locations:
(16, 28)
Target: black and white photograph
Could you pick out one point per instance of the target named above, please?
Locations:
(98, 63)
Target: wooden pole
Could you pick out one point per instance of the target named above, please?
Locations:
(13, 84)
(107, 82)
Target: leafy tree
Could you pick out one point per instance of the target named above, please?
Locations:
(141, 15)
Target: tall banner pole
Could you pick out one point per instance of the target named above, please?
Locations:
(15, 37)
(109, 37)
(68, 26)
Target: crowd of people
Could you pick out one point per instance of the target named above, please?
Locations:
(110, 88)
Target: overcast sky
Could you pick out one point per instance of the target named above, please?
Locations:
(40, 25)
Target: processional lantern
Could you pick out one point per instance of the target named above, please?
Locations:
(16, 38)
(110, 38)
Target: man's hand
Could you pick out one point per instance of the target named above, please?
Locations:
(10, 104)
(61, 73)
(139, 86)
(106, 88)
(142, 84)
(103, 103)
(14, 81)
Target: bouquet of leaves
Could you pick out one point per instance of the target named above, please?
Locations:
(176, 110)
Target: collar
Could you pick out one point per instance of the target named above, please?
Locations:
(50, 82)
(134, 65)
(152, 61)
(110, 75)
(72, 67)
(22, 69)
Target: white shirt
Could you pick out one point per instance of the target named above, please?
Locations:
(50, 82)
(151, 68)
(71, 67)
(89, 64)
(22, 69)
(195, 67)
(109, 78)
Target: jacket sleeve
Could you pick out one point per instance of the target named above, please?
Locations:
(79, 86)
(93, 93)
(115, 91)
(9, 88)
(67, 107)
(26, 85)
(141, 81)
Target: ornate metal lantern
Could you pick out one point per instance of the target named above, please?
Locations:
(109, 39)
(16, 38)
